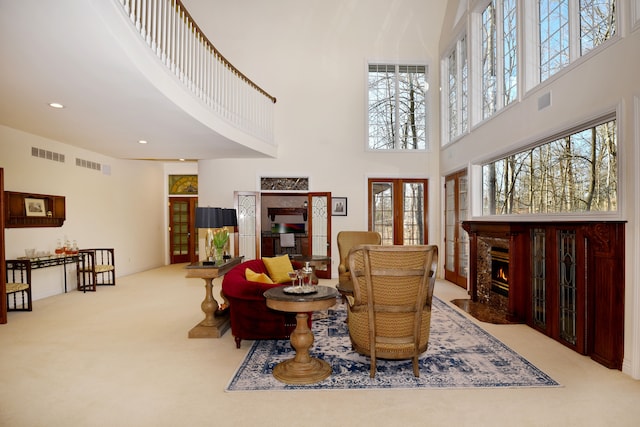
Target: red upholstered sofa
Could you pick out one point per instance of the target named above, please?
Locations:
(251, 319)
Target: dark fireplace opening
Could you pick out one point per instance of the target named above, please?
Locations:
(500, 271)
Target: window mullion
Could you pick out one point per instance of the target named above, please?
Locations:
(499, 11)
(396, 139)
(574, 30)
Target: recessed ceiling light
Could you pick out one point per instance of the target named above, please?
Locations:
(182, 160)
(142, 141)
(55, 105)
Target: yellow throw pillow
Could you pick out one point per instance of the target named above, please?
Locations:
(278, 268)
(252, 276)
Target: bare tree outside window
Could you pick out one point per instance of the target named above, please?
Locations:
(558, 44)
(597, 23)
(575, 173)
(499, 56)
(397, 107)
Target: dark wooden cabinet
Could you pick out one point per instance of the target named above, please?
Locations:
(273, 212)
(50, 211)
(566, 279)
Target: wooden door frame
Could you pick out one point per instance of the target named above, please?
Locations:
(398, 206)
(454, 276)
(193, 252)
(3, 289)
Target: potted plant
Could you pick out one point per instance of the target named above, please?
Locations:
(220, 240)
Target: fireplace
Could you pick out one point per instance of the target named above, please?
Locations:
(500, 270)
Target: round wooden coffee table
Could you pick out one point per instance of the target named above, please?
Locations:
(302, 369)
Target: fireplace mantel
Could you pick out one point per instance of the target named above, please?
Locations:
(596, 289)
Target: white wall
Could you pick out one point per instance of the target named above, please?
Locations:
(313, 57)
(603, 82)
(122, 209)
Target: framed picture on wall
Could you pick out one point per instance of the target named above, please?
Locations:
(35, 207)
(339, 206)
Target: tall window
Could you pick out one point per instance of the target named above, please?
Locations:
(397, 107)
(456, 68)
(499, 56)
(597, 23)
(398, 210)
(577, 172)
(594, 21)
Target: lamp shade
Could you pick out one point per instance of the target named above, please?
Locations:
(229, 217)
(209, 217)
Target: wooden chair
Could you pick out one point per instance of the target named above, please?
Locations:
(389, 314)
(346, 241)
(18, 285)
(96, 267)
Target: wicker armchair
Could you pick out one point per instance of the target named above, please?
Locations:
(346, 241)
(389, 314)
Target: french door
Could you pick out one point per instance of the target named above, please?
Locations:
(456, 265)
(398, 210)
(183, 236)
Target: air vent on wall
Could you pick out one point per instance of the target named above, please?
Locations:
(88, 164)
(544, 101)
(46, 154)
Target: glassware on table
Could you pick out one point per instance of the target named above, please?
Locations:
(293, 275)
(300, 277)
(59, 248)
(308, 273)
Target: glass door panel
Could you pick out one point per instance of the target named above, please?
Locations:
(456, 238)
(463, 237)
(320, 225)
(382, 210)
(413, 213)
(247, 207)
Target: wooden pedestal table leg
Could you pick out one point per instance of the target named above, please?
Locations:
(213, 326)
(302, 369)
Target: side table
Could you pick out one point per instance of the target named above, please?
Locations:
(216, 321)
(302, 369)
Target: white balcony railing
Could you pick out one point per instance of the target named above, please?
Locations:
(169, 30)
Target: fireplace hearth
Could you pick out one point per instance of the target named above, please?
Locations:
(500, 270)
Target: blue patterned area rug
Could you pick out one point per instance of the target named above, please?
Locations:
(460, 355)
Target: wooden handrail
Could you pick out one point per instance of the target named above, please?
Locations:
(173, 35)
(197, 29)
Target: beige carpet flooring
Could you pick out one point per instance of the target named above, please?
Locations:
(121, 357)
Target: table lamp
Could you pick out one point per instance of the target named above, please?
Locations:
(209, 218)
(230, 219)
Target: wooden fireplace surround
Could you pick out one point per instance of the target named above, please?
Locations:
(599, 281)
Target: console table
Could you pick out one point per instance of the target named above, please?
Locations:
(216, 321)
(52, 261)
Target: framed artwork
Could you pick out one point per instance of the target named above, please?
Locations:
(35, 207)
(339, 206)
